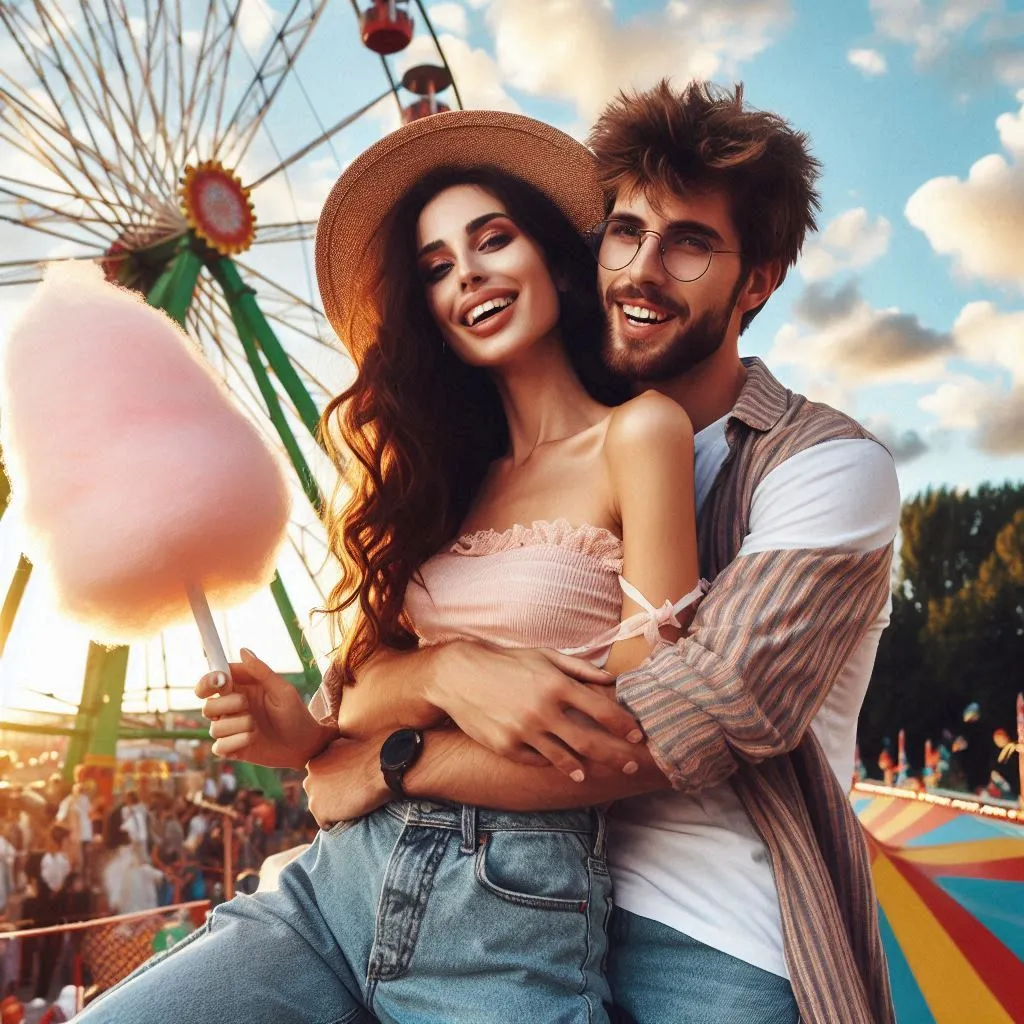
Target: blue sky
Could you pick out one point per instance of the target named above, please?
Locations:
(894, 94)
(906, 309)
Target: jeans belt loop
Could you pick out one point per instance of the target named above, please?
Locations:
(468, 829)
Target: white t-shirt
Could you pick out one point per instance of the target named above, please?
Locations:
(694, 861)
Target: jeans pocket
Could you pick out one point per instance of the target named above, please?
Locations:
(544, 870)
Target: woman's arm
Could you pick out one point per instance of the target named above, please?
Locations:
(649, 452)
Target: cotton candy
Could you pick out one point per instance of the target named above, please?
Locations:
(131, 468)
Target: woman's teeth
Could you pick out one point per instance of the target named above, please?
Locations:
(643, 315)
(486, 309)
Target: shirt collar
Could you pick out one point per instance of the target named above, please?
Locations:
(762, 399)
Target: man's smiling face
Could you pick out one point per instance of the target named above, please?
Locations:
(660, 327)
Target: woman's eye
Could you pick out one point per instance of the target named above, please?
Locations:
(435, 272)
(496, 241)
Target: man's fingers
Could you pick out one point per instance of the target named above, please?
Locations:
(233, 725)
(579, 669)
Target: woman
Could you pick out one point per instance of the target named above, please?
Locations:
(494, 494)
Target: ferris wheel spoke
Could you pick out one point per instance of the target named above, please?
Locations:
(201, 90)
(298, 231)
(62, 215)
(249, 269)
(270, 75)
(26, 109)
(46, 149)
(323, 137)
(29, 226)
(84, 108)
(163, 165)
(125, 124)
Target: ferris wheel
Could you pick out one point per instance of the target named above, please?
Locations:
(185, 146)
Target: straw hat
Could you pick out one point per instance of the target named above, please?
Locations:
(348, 233)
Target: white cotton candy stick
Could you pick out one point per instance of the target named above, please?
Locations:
(212, 647)
(134, 472)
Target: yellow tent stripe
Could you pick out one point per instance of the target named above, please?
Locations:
(873, 810)
(951, 987)
(907, 816)
(977, 851)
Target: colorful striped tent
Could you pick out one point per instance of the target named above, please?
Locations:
(949, 873)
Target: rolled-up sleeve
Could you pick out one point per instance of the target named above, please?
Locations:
(763, 650)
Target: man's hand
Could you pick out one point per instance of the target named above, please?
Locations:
(532, 706)
(345, 781)
(262, 719)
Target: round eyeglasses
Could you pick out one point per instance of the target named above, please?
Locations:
(684, 255)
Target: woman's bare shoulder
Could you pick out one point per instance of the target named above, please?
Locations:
(646, 420)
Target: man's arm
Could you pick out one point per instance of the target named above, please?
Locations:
(345, 781)
(781, 620)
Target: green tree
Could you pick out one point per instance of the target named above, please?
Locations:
(957, 630)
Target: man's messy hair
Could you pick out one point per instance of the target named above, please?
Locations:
(663, 140)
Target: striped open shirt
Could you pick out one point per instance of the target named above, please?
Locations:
(734, 701)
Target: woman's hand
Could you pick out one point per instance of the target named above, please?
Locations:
(345, 781)
(263, 719)
(534, 707)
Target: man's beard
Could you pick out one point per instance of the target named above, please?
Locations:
(690, 344)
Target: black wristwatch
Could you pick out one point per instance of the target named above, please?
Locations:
(398, 753)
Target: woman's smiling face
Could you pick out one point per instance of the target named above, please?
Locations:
(486, 282)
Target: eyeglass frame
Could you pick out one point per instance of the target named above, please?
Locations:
(596, 238)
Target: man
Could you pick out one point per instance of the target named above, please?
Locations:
(743, 892)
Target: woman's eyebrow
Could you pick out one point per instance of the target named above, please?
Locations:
(474, 225)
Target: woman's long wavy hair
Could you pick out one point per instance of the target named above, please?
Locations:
(422, 426)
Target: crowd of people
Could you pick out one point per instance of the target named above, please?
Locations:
(71, 856)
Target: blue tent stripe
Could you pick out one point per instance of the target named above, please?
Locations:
(911, 1007)
(964, 828)
(998, 905)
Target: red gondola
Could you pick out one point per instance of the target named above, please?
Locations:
(423, 108)
(385, 27)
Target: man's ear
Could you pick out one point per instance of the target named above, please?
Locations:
(761, 281)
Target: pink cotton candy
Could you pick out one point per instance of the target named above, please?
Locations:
(130, 465)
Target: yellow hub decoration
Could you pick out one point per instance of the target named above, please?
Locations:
(217, 207)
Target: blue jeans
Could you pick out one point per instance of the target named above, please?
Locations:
(661, 976)
(416, 914)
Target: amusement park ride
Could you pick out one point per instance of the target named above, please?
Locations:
(133, 133)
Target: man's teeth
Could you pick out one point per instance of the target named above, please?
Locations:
(477, 313)
(643, 314)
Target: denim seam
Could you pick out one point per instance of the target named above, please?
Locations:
(409, 932)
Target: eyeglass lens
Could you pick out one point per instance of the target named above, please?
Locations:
(685, 256)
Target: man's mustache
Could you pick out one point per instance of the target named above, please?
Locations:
(656, 297)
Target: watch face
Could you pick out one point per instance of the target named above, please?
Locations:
(400, 749)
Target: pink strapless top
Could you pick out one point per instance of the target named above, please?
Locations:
(549, 584)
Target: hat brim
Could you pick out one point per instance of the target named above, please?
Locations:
(553, 162)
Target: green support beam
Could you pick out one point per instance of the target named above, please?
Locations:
(242, 297)
(310, 672)
(226, 275)
(175, 287)
(13, 599)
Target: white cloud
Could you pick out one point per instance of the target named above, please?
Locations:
(582, 53)
(449, 17)
(980, 221)
(476, 73)
(256, 21)
(870, 63)
(849, 241)
(970, 41)
(905, 445)
(957, 402)
(840, 336)
(986, 335)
